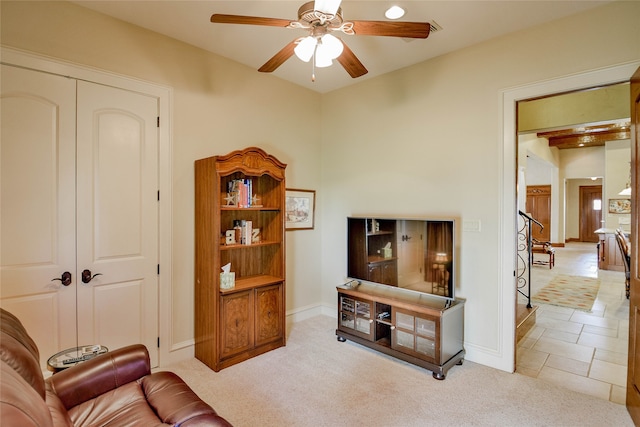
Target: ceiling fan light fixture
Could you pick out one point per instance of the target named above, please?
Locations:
(394, 12)
(323, 61)
(305, 48)
(330, 46)
(625, 192)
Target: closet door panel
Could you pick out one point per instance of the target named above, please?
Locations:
(117, 216)
(37, 204)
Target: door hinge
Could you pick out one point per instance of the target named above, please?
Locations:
(158, 269)
(158, 121)
(158, 342)
(158, 195)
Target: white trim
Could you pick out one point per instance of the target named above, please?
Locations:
(507, 249)
(171, 352)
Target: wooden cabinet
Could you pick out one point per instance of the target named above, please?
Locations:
(234, 324)
(609, 254)
(367, 257)
(424, 330)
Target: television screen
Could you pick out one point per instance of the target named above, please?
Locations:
(413, 254)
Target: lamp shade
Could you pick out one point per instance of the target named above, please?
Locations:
(305, 48)
(331, 46)
(625, 192)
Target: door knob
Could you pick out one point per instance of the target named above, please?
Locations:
(87, 277)
(65, 279)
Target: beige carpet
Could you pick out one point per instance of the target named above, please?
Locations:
(569, 291)
(317, 381)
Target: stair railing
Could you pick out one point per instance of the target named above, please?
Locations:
(525, 256)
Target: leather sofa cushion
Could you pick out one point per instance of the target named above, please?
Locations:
(20, 352)
(122, 406)
(20, 404)
(172, 399)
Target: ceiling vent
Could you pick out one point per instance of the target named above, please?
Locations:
(434, 27)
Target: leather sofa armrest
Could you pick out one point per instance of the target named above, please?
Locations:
(101, 374)
(176, 403)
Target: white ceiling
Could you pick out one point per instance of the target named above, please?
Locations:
(464, 23)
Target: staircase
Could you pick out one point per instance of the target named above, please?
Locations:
(525, 312)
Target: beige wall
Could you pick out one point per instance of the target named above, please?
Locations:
(425, 140)
(218, 106)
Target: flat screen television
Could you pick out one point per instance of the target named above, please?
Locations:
(415, 254)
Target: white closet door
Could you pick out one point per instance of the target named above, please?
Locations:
(117, 231)
(37, 205)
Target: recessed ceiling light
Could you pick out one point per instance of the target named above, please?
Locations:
(394, 12)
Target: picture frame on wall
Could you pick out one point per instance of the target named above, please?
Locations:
(620, 206)
(300, 208)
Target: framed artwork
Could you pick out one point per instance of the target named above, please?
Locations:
(619, 206)
(300, 208)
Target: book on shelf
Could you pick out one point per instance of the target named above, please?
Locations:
(246, 233)
(240, 192)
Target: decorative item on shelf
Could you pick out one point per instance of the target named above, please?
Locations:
(227, 277)
(255, 201)
(255, 235)
(230, 237)
(386, 251)
(237, 228)
(231, 199)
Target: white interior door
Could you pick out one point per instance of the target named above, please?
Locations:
(117, 197)
(37, 205)
(79, 185)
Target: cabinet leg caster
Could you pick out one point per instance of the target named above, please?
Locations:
(341, 339)
(460, 362)
(439, 376)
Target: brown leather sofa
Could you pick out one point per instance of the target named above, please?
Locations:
(115, 389)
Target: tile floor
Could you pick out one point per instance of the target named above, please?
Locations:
(585, 352)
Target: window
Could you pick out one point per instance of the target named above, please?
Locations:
(597, 205)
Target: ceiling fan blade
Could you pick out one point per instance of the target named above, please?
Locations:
(351, 63)
(279, 58)
(249, 20)
(327, 6)
(416, 30)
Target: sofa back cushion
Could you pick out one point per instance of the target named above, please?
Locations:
(19, 351)
(20, 404)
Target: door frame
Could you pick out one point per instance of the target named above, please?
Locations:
(170, 352)
(507, 252)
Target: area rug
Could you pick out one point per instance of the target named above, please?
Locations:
(570, 291)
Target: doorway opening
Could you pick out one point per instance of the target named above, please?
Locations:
(567, 187)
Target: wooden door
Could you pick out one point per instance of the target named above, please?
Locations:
(236, 325)
(590, 212)
(117, 229)
(539, 207)
(37, 202)
(633, 367)
(268, 323)
(409, 236)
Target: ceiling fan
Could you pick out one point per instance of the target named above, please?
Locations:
(320, 18)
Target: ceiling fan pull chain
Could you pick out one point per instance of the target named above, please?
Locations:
(313, 64)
